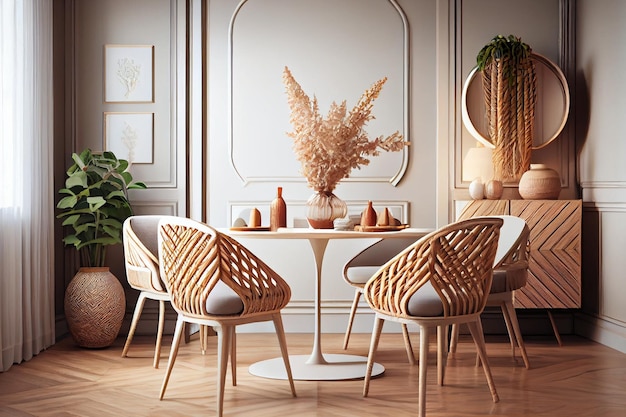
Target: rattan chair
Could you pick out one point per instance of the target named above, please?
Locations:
(140, 236)
(510, 273)
(215, 281)
(442, 279)
(358, 270)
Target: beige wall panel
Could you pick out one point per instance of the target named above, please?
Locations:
(613, 284)
(120, 22)
(363, 61)
(331, 58)
(601, 106)
(224, 186)
(601, 60)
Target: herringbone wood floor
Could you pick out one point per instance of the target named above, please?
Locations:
(579, 379)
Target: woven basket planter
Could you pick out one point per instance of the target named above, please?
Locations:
(95, 305)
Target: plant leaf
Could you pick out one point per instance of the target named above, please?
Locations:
(67, 202)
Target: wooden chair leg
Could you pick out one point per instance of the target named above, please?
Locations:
(178, 333)
(233, 355)
(378, 328)
(454, 339)
(479, 340)
(282, 341)
(509, 328)
(479, 325)
(442, 353)
(423, 364)
(224, 334)
(407, 344)
(517, 332)
(202, 333)
(133, 325)
(355, 304)
(161, 325)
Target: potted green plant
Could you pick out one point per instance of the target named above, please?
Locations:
(94, 205)
(509, 87)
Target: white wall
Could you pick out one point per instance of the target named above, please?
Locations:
(601, 94)
(339, 63)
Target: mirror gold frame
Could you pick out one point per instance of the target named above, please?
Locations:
(551, 112)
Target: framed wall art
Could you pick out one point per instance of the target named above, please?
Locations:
(130, 136)
(129, 73)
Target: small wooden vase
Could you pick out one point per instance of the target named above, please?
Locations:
(385, 218)
(278, 211)
(255, 218)
(369, 216)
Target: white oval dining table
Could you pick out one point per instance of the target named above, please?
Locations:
(318, 366)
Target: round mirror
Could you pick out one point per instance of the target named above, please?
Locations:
(551, 110)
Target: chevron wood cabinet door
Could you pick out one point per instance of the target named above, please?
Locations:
(554, 278)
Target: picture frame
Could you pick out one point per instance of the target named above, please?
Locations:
(129, 73)
(130, 136)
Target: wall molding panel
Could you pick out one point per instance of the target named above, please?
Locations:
(258, 111)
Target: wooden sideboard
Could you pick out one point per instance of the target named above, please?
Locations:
(554, 279)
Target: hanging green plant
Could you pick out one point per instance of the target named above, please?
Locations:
(502, 47)
(509, 86)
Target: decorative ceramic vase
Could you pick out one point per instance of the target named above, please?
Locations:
(477, 189)
(540, 183)
(369, 216)
(493, 189)
(385, 218)
(95, 306)
(278, 211)
(255, 218)
(323, 208)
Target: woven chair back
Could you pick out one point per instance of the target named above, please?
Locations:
(461, 264)
(194, 257)
(140, 236)
(457, 260)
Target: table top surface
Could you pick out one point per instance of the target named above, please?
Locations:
(309, 233)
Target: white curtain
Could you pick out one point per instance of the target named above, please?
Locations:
(26, 186)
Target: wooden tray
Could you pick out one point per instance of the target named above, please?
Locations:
(360, 228)
(250, 229)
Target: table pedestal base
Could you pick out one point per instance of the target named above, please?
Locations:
(338, 367)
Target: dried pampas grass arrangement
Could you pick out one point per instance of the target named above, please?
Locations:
(329, 148)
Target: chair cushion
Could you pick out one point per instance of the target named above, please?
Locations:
(505, 280)
(147, 230)
(223, 301)
(425, 302)
(361, 274)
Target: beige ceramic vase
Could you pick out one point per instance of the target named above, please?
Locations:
(540, 183)
(493, 189)
(477, 189)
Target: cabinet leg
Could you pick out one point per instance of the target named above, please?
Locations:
(554, 328)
